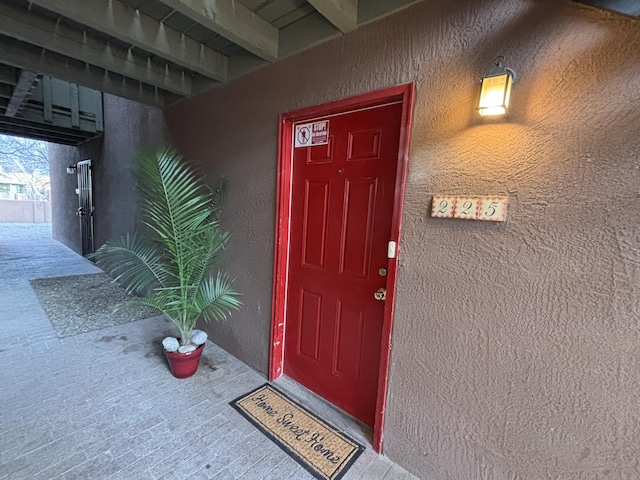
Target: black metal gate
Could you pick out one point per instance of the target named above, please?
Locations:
(85, 209)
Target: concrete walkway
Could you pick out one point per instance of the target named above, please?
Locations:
(24, 231)
(103, 405)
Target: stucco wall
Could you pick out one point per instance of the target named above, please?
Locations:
(128, 126)
(65, 225)
(516, 352)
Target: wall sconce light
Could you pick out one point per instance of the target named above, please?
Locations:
(71, 169)
(496, 89)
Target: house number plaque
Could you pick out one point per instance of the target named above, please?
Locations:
(487, 208)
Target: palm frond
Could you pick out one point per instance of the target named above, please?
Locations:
(134, 262)
(213, 244)
(216, 297)
(175, 201)
(173, 268)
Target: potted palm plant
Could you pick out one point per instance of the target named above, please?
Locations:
(172, 265)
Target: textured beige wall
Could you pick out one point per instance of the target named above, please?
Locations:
(516, 352)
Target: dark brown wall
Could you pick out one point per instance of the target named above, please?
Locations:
(516, 346)
(64, 201)
(128, 125)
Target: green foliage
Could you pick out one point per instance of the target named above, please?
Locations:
(172, 267)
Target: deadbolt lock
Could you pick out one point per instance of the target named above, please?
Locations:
(382, 272)
(381, 294)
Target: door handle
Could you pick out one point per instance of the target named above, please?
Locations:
(381, 294)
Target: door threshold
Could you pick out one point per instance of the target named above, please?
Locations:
(328, 412)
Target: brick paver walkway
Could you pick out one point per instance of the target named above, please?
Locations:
(103, 405)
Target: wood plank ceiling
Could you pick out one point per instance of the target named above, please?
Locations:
(160, 51)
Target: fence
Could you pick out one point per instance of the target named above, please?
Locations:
(25, 211)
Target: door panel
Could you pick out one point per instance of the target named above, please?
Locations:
(364, 145)
(310, 318)
(341, 212)
(357, 226)
(348, 354)
(315, 223)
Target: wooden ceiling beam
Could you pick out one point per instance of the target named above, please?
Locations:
(47, 33)
(47, 133)
(21, 92)
(372, 10)
(324, 24)
(8, 74)
(308, 32)
(343, 14)
(25, 56)
(128, 25)
(233, 21)
(6, 92)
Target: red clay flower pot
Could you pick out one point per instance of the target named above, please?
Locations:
(184, 365)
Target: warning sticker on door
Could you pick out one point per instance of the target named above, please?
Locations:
(310, 134)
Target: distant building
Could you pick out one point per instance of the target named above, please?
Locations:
(12, 191)
(20, 186)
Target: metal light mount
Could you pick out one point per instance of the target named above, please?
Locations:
(71, 169)
(496, 89)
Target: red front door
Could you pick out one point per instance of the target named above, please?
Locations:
(341, 211)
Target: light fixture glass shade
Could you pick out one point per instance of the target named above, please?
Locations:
(495, 93)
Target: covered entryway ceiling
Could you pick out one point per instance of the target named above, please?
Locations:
(159, 51)
(152, 51)
(156, 51)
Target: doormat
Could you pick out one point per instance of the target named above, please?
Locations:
(321, 449)
(83, 303)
